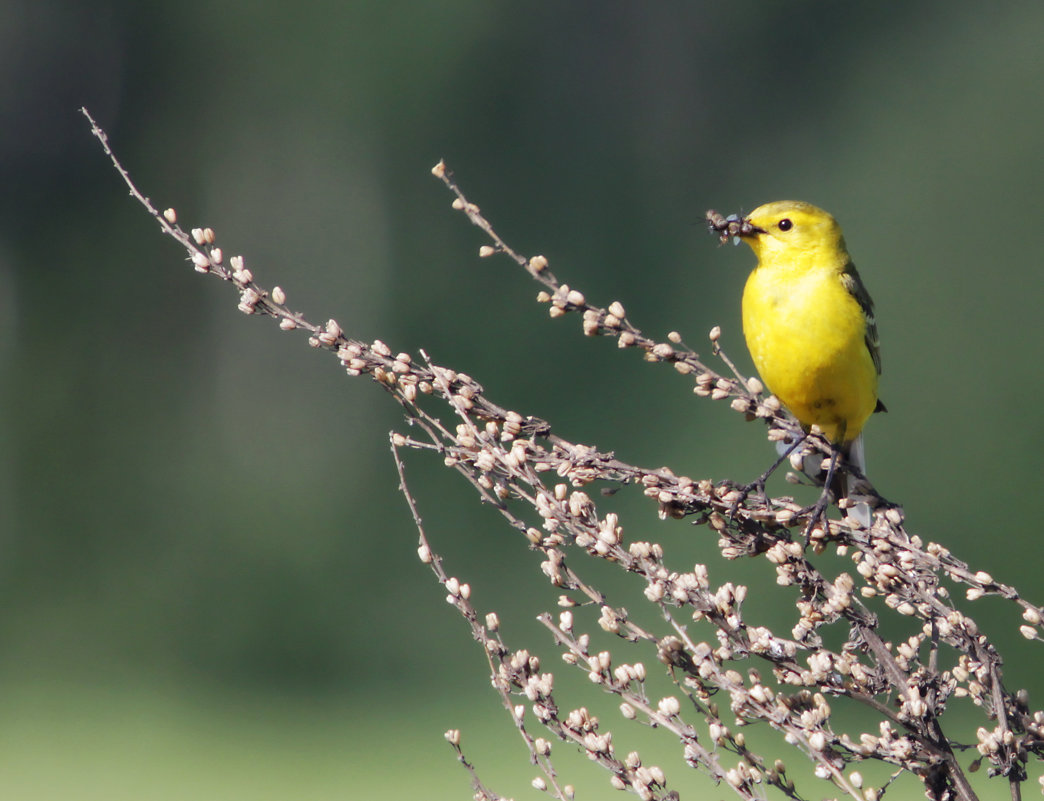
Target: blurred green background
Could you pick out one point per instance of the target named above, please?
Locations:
(209, 582)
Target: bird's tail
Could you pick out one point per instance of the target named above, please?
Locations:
(844, 481)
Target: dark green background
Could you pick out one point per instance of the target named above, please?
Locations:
(208, 580)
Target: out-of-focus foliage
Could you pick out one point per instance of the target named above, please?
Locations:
(189, 495)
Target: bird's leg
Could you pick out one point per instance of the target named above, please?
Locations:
(758, 484)
(819, 509)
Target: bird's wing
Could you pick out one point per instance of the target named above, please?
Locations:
(854, 284)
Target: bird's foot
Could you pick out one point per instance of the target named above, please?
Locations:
(816, 514)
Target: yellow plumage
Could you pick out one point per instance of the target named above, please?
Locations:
(808, 320)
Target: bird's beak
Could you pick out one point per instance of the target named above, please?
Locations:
(732, 226)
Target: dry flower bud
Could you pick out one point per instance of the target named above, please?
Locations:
(248, 300)
(579, 503)
(662, 350)
(170, 216)
(669, 706)
(655, 592)
(760, 693)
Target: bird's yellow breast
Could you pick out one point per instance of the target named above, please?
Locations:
(807, 336)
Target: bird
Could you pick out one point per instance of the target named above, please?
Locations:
(809, 325)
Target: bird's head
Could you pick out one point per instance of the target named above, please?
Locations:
(784, 228)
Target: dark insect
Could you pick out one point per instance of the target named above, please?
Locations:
(732, 226)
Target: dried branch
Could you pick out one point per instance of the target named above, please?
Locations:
(536, 480)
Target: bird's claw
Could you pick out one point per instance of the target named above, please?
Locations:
(816, 513)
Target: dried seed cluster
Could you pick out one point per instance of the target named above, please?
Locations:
(740, 672)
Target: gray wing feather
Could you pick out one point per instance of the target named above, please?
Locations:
(854, 284)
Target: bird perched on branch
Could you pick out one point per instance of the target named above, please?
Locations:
(809, 325)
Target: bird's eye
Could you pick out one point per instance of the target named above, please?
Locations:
(785, 224)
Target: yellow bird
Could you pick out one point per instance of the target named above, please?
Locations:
(809, 321)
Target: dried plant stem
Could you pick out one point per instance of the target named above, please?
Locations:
(536, 479)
